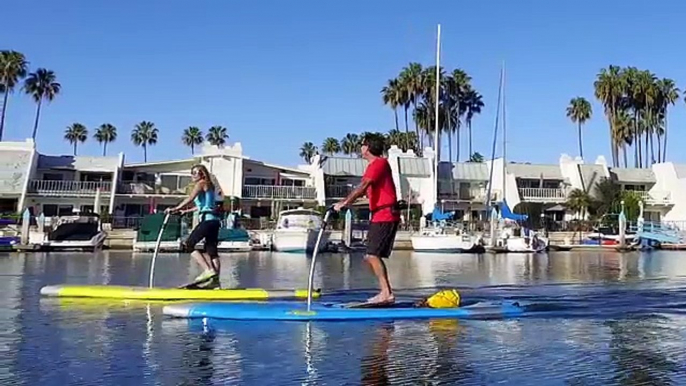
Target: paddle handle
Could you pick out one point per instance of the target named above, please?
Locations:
(314, 258)
(157, 249)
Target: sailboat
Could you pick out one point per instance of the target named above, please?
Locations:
(507, 235)
(437, 237)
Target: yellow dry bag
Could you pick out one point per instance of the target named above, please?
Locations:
(444, 299)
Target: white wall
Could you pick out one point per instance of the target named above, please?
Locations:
(229, 174)
(668, 181)
(569, 167)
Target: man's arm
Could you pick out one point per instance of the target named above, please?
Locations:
(354, 195)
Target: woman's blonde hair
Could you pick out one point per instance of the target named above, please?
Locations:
(209, 178)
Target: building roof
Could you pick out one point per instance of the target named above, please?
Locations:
(532, 171)
(14, 166)
(414, 166)
(343, 166)
(636, 175)
(591, 175)
(464, 171)
(83, 163)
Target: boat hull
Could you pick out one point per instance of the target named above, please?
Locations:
(297, 241)
(442, 243)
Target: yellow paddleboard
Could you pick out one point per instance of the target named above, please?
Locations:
(122, 292)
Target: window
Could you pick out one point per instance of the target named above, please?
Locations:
(53, 176)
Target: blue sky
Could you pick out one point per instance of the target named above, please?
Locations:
(277, 73)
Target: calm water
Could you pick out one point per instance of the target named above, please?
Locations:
(601, 319)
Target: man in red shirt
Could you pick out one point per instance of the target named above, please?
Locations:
(377, 183)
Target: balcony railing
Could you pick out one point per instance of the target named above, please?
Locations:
(69, 188)
(338, 191)
(147, 188)
(276, 192)
(543, 194)
(654, 198)
(471, 194)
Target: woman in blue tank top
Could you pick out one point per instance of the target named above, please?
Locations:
(203, 198)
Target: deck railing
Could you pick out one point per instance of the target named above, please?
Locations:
(277, 192)
(543, 194)
(654, 198)
(338, 191)
(147, 188)
(69, 188)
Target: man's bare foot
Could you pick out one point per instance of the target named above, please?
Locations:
(382, 299)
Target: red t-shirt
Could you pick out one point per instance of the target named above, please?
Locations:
(381, 191)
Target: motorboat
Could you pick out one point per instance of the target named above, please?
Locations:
(297, 231)
(76, 232)
(148, 231)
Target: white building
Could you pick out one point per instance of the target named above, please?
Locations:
(57, 185)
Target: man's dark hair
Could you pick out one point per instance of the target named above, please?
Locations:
(376, 144)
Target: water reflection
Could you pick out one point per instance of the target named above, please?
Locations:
(622, 322)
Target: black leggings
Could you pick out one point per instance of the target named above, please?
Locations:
(208, 230)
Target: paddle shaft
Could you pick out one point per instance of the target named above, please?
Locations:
(314, 259)
(157, 249)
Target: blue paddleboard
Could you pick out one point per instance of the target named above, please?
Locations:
(319, 311)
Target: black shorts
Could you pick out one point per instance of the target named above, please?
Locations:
(208, 230)
(380, 238)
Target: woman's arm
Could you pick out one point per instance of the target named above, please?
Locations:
(194, 193)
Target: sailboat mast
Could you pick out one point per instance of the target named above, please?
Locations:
(504, 138)
(436, 102)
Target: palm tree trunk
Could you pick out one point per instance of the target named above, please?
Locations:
(75, 142)
(664, 146)
(450, 146)
(104, 148)
(659, 148)
(469, 126)
(192, 149)
(457, 142)
(35, 124)
(145, 153)
(395, 112)
(406, 127)
(4, 111)
(581, 149)
(637, 142)
(646, 147)
(626, 161)
(652, 150)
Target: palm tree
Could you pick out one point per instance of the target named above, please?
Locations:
(578, 202)
(349, 144)
(391, 95)
(474, 103)
(609, 88)
(331, 146)
(669, 94)
(192, 136)
(579, 111)
(76, 133)
(217, 136)
(105, 134)
(41, 85)
(13, 67)
(308, 151)
(144, 134)
(476, 157)
(411, 80)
